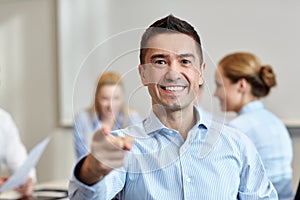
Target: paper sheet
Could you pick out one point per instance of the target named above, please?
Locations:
(21, 175)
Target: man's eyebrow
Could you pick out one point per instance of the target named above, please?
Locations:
(185, 55)
(158, 56)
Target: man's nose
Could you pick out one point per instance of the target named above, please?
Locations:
(172, 75)
(174, 65)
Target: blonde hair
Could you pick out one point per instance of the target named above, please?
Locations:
(110, 78)
(248, 66)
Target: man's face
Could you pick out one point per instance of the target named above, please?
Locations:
(172, 70)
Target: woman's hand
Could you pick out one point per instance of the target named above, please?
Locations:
(26, 188)
(3, 179)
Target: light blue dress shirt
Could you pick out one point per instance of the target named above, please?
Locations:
(272, 141)
(215, 162)
(85, 125)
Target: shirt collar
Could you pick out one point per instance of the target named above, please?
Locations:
(153, 124)
(254, 105)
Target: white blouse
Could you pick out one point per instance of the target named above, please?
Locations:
(12, 151)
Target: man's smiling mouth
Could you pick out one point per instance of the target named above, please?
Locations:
(172, 88)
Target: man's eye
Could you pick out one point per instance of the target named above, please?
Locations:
(184, 61)
(160, 62)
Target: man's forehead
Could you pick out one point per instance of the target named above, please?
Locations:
(170, 37)
(175, 43)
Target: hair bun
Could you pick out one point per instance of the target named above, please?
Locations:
(267, 75)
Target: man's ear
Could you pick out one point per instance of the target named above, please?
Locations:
(201, 73)
(142, 74)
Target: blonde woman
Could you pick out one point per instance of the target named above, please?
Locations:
(241, 82)
(108, 110)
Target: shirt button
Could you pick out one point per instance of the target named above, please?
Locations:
(188, 180)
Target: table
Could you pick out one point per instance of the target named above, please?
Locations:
(56, 189)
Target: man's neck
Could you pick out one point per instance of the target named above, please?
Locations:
(181, 120)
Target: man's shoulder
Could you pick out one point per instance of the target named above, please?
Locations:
(228, 133)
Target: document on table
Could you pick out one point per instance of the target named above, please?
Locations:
(21, 175)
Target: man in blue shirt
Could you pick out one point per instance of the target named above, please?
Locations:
(174, 153)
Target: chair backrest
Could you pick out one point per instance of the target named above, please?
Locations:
(297, 195)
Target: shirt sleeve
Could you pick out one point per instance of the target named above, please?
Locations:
(105, 189)
(254, 181)
(16, 152)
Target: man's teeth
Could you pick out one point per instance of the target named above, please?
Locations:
(174, 88)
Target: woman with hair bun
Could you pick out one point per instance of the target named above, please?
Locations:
(241, 80)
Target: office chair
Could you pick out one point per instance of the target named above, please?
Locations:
(297, 195)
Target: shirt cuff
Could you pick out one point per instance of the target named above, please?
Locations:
(79, 190)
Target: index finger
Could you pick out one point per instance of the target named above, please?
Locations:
(104, 131)
(124, 143)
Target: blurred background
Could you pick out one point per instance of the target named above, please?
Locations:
(51, 52)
